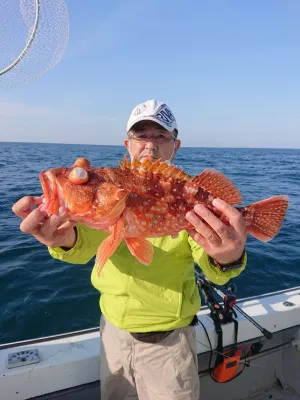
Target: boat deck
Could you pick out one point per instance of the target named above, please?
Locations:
(92, 393)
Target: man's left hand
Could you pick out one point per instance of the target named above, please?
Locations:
(225, 242)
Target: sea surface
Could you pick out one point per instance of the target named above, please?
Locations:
(40, 296)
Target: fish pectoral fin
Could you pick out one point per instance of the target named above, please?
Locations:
(140, 248)
(110, 244)
(111, 201)
(218, 185)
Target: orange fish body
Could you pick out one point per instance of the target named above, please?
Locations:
(140, 200)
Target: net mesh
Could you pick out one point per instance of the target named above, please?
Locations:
(32, 45)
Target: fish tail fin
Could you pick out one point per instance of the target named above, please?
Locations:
(268, 216)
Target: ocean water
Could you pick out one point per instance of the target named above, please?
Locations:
(41, 296)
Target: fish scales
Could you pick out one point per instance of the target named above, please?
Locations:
(160, 202)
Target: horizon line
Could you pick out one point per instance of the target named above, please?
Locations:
(182, 146)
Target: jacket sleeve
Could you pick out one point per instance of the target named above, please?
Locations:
(85, 248)
(211, 272)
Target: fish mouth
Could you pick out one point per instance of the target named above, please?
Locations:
(52, 200)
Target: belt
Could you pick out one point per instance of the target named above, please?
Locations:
(157, 336)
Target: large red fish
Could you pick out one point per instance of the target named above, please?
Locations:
(140, 200)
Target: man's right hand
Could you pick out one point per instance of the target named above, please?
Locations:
(53, 231)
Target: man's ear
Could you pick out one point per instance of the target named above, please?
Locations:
(177, 144)
(176, 147)
(126, 144)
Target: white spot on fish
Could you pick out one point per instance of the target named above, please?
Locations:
(190, 190)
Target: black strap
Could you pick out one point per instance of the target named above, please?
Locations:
(219, 349)
(236, 328)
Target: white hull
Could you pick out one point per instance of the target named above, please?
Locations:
(70, 363)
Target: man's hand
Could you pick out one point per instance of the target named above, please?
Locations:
(53, 231)
(223, 242)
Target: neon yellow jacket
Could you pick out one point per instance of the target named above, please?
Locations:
(139, 298)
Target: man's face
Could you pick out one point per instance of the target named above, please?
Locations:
(150, 139)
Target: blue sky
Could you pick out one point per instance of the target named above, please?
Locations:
(229, 70)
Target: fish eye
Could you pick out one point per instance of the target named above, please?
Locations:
(78, 175)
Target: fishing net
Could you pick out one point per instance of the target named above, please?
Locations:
(33, 37)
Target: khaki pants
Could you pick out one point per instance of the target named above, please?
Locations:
(131, 369)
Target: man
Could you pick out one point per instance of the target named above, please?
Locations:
(148, 347)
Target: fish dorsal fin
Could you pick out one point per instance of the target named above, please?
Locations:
(125, 163)
(134, 164)
(156, 167)
(210, 179)
(218, 185)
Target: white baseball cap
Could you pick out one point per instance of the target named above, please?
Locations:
(153, 110)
